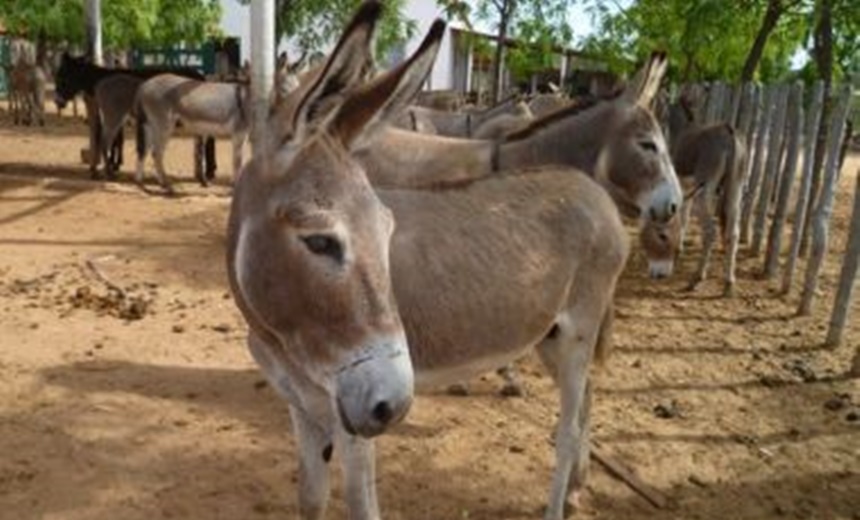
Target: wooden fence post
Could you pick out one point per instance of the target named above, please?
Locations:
(848, 275)
(825, 203)
(812, 122)
(795, 129)
(774, 157)
(757, 161)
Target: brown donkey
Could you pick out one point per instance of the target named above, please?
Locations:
(308, 263)
(618, 142)
(481, 273)
(710, 163)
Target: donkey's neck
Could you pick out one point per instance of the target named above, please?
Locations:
(92, 75)
(564, 138)
(408, 159)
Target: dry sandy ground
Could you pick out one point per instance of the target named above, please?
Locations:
(148, 406)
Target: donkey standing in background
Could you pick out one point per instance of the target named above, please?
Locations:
(503, 268)
(77, 75)
(710, 163)
(453, 124)
(204, 108)
(26, 83)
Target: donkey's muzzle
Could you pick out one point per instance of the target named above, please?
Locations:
(375, 389)
(61, 102)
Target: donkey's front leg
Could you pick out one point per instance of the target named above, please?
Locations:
(359, 467)
(315, 450)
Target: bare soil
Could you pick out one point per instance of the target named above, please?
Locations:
(127, 392)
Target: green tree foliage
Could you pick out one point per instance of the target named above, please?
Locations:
(711, 39)
(312, 24)
(706, 39)
(125, 23)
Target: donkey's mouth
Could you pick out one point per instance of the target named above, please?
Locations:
(345, 420)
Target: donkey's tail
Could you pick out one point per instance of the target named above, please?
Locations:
(604, 336)
(140, 130)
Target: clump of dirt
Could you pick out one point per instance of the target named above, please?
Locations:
(110, 303)
(68, 288)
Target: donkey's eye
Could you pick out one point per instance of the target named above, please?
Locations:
(649, 146)
(324, 245)
(663, 237)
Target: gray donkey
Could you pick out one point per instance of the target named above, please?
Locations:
(710, 162)
(204, 108)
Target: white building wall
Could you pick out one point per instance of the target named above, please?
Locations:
(424, 12)
(235, 19)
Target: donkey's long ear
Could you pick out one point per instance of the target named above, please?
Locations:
(343, 70)
(642, 90)
(370, 108)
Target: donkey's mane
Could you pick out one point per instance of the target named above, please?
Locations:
(576, 106)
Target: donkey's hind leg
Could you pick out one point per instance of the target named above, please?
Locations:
(567, 353)
(731, 236)
(160, 138)
(705, 208)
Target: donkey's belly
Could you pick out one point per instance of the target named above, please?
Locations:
(441, 375)
(220, 129)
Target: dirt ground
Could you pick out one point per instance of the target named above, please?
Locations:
(146, 405)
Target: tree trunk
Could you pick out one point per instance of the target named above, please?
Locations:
(768, 24)
(506, 10)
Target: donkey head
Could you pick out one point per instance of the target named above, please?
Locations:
(661, 242)
(68, 79)
(636, 160)
(310, 240)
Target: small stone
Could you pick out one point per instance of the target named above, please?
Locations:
(516, 449)
(696, 481)
(852, 416)
(222, 327)
(178, 329)
(838, 402)
(667, 411)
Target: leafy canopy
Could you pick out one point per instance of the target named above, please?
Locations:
(313, 24)
(125, 23)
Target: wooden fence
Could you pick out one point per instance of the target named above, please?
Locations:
(780, 124)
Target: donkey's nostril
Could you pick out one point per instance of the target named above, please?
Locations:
(673, 208)
(383, 412)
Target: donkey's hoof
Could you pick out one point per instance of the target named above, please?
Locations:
(459, 389)
(512, 390)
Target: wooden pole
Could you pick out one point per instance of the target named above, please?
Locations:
(262, 68)
(848, 276)
(795, 129)
(774, 157)
(824, 209)
(757, 162)
(92, 12)
(811, 139)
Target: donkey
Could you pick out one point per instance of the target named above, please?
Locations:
(532, 270)
(618, 142)
(710, 163)
(27, 93)
(500, 126)
(204, 108)
(454, 124)
(544, 104)
(76, 75)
